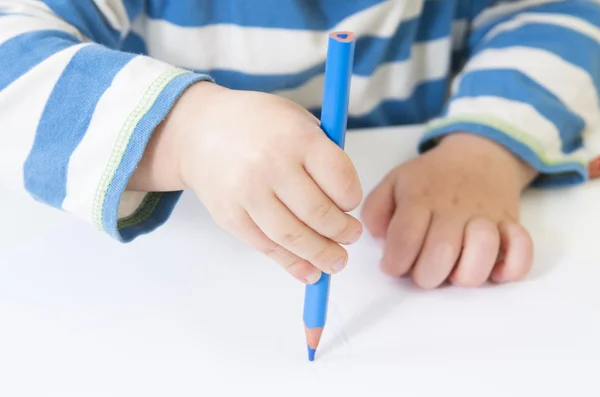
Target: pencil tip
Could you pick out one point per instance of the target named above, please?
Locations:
(311, 353)
(313, 336)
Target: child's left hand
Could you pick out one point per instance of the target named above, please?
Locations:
(452, 214)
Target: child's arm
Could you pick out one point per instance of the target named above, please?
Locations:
(531, 83)
(82, 121)
(521, 111)
(76, 113)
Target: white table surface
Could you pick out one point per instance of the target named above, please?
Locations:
(189, 311)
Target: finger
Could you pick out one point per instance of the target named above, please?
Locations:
(378, 209)
(244, 228)
(308, 202)
(285, 229)
(404, 239)
(516, 248)
(331, 168)
(479, 253)
(440, 251)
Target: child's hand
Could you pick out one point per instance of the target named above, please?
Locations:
(265, 171)
(452, 214)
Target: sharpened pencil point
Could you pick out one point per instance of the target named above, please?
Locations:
(311, 353)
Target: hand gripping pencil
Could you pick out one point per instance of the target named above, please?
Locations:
(334, 115)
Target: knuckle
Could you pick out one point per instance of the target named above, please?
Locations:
(322, 256)
(350, 188)
(291, 238)
(269, 249)
(328, 223)
(346, 234)
(292, 265)
(323, 211)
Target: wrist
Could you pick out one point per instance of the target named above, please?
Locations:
(487, 153)
(160, 168)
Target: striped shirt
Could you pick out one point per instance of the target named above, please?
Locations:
(84, 83)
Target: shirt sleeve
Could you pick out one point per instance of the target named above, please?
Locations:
(77, 113)
(531, 82)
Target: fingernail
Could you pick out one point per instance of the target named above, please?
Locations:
(313, 277)
(339, 265)
(354, 237)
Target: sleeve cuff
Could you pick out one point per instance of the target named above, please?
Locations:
(151, 210)
(555, 169)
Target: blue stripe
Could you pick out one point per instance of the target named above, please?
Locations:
(434, 21)
(131, 158)
(265, 83)
(288, 14)
(84, 15)
(425, 103)
(581, 9)
(134, 43)
(478, 6)
(565, 174)
(66, 118)
(573, 47)
(513, 85)
(371, 52)
(462, 9)
(25, 51)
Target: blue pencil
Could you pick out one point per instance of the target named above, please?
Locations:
(334, 116)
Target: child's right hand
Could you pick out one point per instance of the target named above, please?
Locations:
(265, 171)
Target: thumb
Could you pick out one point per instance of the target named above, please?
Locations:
(378, 209)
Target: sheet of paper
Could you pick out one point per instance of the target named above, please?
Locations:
(189, 311)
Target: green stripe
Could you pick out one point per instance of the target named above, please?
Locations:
(513, 132)
(123, 139)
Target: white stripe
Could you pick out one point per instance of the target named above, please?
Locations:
(115, 13)
(505, 9)
(29, 7)
(571, 84)
(517, 114)
(566, 21)
(266, 51)
(22, 104)
(396, 80)
(15, 25)
(521, 116)
(91, 156)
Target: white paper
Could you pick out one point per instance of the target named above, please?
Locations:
(189, 311)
